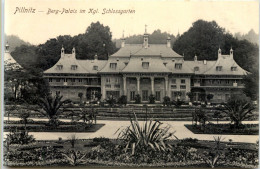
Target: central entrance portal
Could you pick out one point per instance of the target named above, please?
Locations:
(93, 93)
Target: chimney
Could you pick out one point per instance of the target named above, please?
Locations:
(231, 53)
(168, 42)
(96, 57)
(74, 52)
(123, 40)
(62, 51)
(6, 48)
(145, 38)
(219, 52)
(195, 58)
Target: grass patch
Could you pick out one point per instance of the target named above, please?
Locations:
(61, 128)
(225, 129)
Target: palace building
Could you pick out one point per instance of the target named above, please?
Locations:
(146, 69)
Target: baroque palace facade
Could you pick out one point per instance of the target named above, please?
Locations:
(146, 69)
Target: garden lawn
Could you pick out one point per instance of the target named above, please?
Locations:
(42, 126)
(224, 129)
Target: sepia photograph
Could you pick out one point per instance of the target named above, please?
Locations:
(130, 83)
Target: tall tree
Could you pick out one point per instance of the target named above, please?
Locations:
(202, 39)
(96, 40)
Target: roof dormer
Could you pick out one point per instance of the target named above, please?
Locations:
(59, 67)
(233, 68)
(74, 67)
(178, 65)
(196, 68)
(218, 68)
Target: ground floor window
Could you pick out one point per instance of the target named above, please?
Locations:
(132, 95)
(172, 95)
(157, 95)
(114, 94)
(145, 95)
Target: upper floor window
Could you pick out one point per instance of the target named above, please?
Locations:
(117, 80)
(80, 80)
(145, 65)
(107, 80)
(182, 80)
(59, 67)
(113, 65)
(117, 86)
(95, 67)
(74, 67)
(182, 87)
(108, 85)
(173, 87)
(233, 68)
(196, 68)
(178, 65)
(174, 81)
(57, 80)
(218, 68)
(50, 79)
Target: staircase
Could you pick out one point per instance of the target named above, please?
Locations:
(143, 113)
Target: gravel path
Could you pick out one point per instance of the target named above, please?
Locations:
(112, 126)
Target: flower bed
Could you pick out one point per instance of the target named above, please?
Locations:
(104, 152)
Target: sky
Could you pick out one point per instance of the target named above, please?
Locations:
(167, 15)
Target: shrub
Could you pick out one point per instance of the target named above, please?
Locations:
(177, 103)
(100, 139)
(209, 96)
(190, 140)
(137, 99)
(166, 101)
(190, 95)
(238, 109)
(24, 116)
(149, 136)
(73, 140)
(212, 156)
(51, 107)
(75, 158)
(19, 138)
(122, 100)
(151, 99)
(111, 101)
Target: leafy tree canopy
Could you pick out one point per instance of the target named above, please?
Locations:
(96, 39)
(204, 38)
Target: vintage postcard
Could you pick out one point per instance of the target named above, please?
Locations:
(162, 83)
